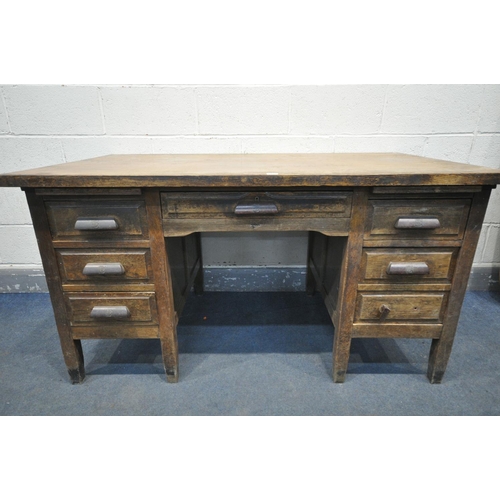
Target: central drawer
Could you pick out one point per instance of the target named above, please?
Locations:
(327, 211)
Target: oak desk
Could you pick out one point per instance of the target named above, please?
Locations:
(392, 239)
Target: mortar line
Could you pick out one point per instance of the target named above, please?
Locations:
(196, 111)
(380, 125)
(4, 101)
(103, 121)
(477, 124)
(177, 136)
(63, 152)
(485, 242)
(289, 111)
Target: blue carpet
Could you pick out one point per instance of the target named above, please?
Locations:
(247, 354)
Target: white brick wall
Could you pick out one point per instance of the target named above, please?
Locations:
(43, 125)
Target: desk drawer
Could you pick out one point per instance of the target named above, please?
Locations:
(97, 219)
(412, 307)
(417, 218)
(408, 265)
(199, 205)
(112, 308)
(104, 266)
(323, 211)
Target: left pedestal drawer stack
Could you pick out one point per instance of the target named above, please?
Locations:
(97, 261)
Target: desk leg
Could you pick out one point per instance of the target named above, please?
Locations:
(163, 287)
(350, 275)
(198, 281)
(72, 349)
(441, 348)
(310, 280)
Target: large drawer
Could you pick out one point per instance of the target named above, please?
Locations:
(104, 266)
(408, 265)
(327, 211)
(407, 307)
(112, 308)
(417, 218)
(240, 204)
(97, 219)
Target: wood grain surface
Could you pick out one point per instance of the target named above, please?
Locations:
(257, 170)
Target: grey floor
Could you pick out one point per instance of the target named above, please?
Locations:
(247, 354)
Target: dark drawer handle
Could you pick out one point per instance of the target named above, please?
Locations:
(408, 268)
(110, 312)
(96, 224)
(103, 269)
(384, 311)
(415, 223)
(256, 209)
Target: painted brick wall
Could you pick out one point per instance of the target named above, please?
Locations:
(43, 125)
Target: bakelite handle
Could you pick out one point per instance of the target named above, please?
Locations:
(256, 209)
(96, 224)
(110, 312)
(417, 223)
(405, 268)
(103, 269)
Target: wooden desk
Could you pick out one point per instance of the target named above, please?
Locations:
(392, 239)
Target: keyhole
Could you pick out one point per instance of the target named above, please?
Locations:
(256, 198)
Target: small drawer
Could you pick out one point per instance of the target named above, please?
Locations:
(417, 218)
(200, 205)
(417, 307)
(101, 266)
(410, 265)
(112, 308)
(97, 219)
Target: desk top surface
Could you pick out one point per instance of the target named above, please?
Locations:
(253, 170)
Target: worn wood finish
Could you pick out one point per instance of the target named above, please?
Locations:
(88, 192)
(391, 240)
(255, 170)
(136, 265)
(115, 331)
(411, 190)
(108, 287)
(384, 215)
(402, 243)
(286, 204)
(71, 348)
(198, 282)
(128, 214)
(376, 264)
(163, 283)
(350, 275)
(385, 307)
(142, 307)
(441, 349)
(328, 226)
(397, 331)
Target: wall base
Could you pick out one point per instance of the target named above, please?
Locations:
(230, 279)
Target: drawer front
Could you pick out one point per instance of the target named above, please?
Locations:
(420, 218)
(101, 266)
(97, 219)
(375, 307)
(410, 265)
(116, 308)
(201, 205)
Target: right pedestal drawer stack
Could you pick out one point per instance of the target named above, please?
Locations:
(410, 250)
